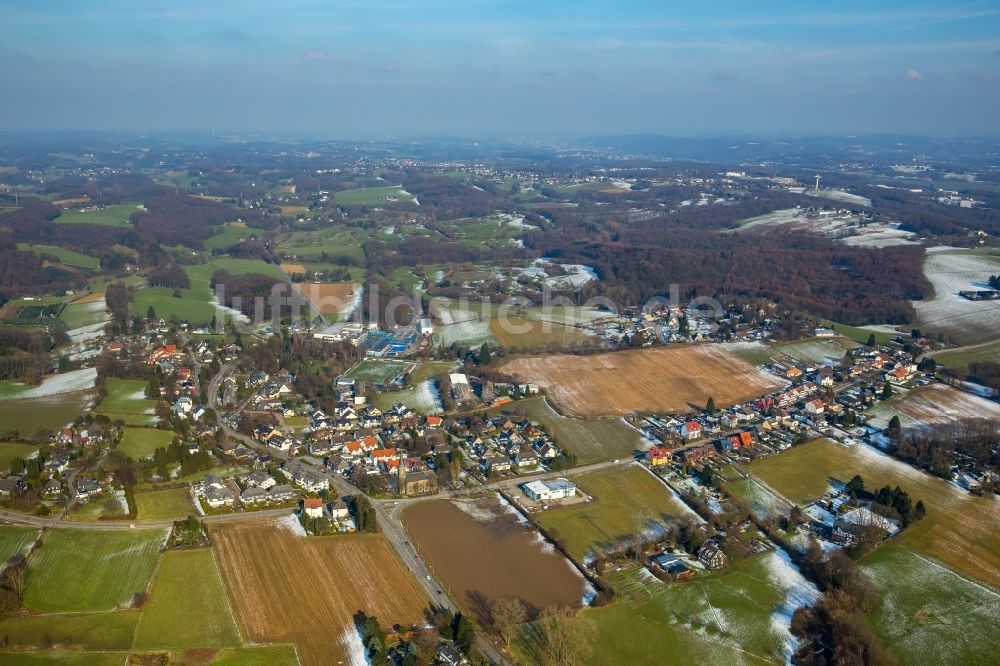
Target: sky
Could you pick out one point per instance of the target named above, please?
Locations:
(499, 68)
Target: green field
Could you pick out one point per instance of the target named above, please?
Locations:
(86, 631)
(63, 658)
(261, 655)
(11, 450)
(27, 416)
(126, 400)
(16, 540)
(927, 614)
(958, 531)
(335, 242)
(858, 334)
(188, 607)
(372, 196)
(627, 500)
(195, 304)
(115, 216)
(169, 504)
(138, 443)
(76, 315)
(958, 358)
(68, 257)
(718, 618)
(230, 235)
(376, 371)
(817, 350)
(83, 570)
(592, 440)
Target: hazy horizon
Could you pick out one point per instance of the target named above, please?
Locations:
(502, 69)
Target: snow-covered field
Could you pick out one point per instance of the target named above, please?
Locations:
(819, 352)
(473, 332)
(85, 333)
(568, 314)
(936, 404)
(67, 382)
(575, 276)
(796, 590)
(840, 196)
(950, 271)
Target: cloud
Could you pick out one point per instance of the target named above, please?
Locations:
(315, 55)
(913, 75)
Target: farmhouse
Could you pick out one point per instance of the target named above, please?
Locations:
(712, 556)
(541, 491)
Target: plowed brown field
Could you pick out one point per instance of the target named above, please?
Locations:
(291, 589)
(330, 297)
(661, 379)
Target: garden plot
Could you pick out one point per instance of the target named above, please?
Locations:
(951, 270)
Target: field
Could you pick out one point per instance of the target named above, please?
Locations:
(196, 304)
(483, 551)
(860, 334)
(961, 320)
(170, 504)
(80, 313)
(27, 416)
(959, 529)
(15, 540)
(471, 332)
(230, 234)
(935, 404)
(139, 443)
(126, 400)
(737, 616)
(817, 351)
(11, 450)
(373, 196)
(334, 242)
(591, 440)
(88, 631)
(68, 257)
(523, 333)
(331, 298)
(956, 358)
(115, 216)
(659, 380)
(376, 371)
(927, 614)
(187, 607)
(118, 564)
(627, 500)
(287, 588)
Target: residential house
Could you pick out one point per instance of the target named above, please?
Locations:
(659, 455)
(712, 556)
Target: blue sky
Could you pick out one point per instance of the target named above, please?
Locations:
(506, 68)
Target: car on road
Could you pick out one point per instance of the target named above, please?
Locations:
(616, 461)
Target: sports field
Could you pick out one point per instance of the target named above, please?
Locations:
(289, 588)
(138, 443)
(657, 380)
(628, 501)
(169, 504)
(188, 607)
(376, 371)
(91, 570)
